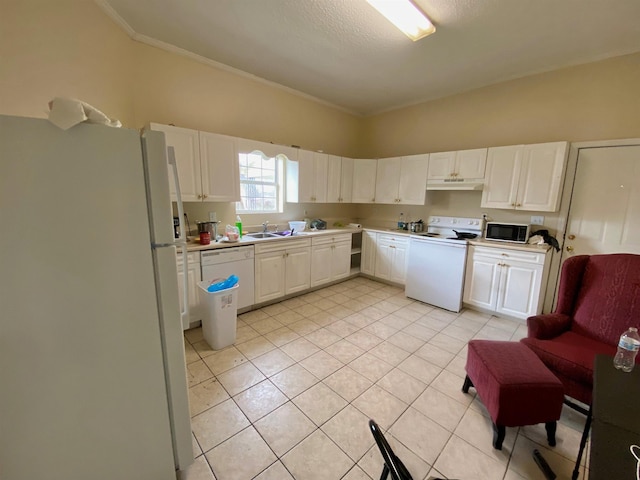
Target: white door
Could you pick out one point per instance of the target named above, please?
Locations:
(413, 179)
(481, 282)
(298, 270)
(321, 258)
(187, 149)
(220, 168)
(519, 289)
(605, 204)
(388, 179)
(341, 260)
(364, 180)
(269, 282)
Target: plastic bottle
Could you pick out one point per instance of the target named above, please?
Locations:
(628, 348)
(401, 221)
(239, 225)
(224, 284)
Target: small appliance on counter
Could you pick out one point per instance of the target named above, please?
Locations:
(507, 232)
(176, 227)
(318, 224)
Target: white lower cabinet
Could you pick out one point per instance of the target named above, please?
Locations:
(391, 258)
(282, 268)
(194, 276)
(330, 258)
(506, 281)
(368, 255)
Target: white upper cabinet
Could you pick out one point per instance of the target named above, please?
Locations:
(525, 177)
(402, 180)
(340, 179)
(312, 176)
(463, 169)
(219, 167)
(207, 164)
(186, 144)
(364, 180)
(388, 180)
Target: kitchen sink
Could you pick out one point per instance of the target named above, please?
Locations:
(262, 235)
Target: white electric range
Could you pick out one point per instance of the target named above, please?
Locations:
(436, 261)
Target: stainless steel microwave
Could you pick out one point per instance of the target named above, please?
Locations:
(507, 232)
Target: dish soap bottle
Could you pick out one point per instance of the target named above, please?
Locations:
(401, 221)
(239, 225)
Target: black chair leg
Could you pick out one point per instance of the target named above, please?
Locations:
(467, 383)
(583, 442)
(498, 436)
(385, 472)
(551, 433)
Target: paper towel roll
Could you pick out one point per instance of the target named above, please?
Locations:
(355, 225)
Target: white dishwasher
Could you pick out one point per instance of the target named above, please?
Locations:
(437, 259)
(222, 262)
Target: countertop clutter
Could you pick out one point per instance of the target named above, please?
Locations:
(194, 245)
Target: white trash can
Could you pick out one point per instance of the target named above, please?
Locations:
(220, 315)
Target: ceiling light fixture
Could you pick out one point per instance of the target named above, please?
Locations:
(406, 17)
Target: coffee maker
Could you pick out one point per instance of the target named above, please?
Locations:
(176, 227)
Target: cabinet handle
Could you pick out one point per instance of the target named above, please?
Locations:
(205, 196)
(199, 196)
(518, 204)
(569, 248)
(571, 237)
(513, 204)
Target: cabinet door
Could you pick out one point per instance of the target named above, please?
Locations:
(312, 176)
(541, 176)
(384, 259)
(364, 180)
(399, 262)
(187, 149)
(220, 168)
(471, 163)
(481, 281)
(321, 263)
(368, 255)
(441, 165)
(388, 180)
(193, 277)
(519, 289)
(341, 260)
(413, 179)
(298, 270)
(501, 177)
(346, 180)
(334, 179)
(270, 276)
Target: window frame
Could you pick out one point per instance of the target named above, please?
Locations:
(277, 183)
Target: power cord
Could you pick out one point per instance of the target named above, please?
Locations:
(635, 451)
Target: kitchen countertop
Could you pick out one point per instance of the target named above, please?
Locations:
(194, 245)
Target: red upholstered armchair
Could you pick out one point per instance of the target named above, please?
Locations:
(598, 299)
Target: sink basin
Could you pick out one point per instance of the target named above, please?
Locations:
(261, 235)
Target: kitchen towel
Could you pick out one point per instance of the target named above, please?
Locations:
(64, 113)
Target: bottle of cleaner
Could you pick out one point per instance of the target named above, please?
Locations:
(239, 225)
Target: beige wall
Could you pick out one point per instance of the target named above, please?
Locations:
(71, 48)
(588, 102)
(63, 48)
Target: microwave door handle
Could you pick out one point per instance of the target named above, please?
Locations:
(182, 240)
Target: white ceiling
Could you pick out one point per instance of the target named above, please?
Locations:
(344, 53)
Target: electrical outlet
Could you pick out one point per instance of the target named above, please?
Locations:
(213, 217)
(537, 220)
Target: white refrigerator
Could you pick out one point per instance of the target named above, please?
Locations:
(92, 368)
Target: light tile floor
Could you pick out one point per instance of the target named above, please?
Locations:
(292, 397)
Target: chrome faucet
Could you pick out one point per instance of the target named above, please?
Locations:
(264, 226)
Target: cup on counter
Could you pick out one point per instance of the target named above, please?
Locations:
(205, 238)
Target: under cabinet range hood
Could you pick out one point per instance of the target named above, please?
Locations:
(456, 184)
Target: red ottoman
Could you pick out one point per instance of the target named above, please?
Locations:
(515, 387)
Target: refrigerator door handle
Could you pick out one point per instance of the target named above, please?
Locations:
(182, 241)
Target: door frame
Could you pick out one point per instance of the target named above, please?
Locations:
(565, 207)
